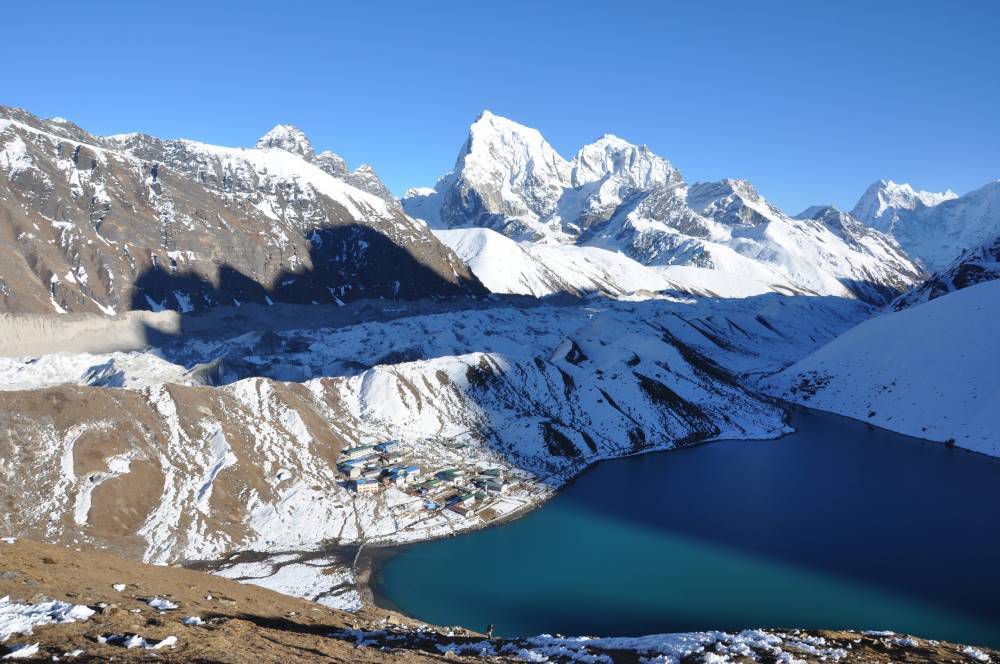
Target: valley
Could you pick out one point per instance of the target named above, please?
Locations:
(258, 363)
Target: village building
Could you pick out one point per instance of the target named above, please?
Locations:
(388, 446)
(391, 457)
(364, 486)
(402, 475)
(352, 470)
(427, 485)
(450, 474)
(492, 485)
(353, 453)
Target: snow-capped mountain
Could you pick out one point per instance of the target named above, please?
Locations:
(622, 197)
(974, 266)
(934, 228)
(927, 371)
(288, 138)
(507, 177)
(885, 201)
(107, 224)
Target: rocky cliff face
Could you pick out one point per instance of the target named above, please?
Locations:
(132, 221)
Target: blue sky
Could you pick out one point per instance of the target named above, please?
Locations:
(809, 100)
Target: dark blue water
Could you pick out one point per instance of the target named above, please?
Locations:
(835, 526)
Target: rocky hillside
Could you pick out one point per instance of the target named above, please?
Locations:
(622, 197)
(108, 224)
(58, 604)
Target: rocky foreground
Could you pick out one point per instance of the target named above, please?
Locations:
(58, 604)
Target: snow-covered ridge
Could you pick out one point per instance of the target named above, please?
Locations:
(289, 167)
(526, 268)
(927, 371)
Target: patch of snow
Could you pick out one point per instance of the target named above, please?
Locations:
(162, 604)
(22, 652)
(16, 618)
(976, 654)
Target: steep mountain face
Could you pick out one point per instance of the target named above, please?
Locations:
(893, 270)
(621, 197)
(933, 228)
(507, 177)
(974, 266)
(132, 221)
(927, 371)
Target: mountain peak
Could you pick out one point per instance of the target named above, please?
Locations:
(817, 212)
(613, 140)
(880, 204)
(499, 145)
(490, 123)
(332, 163)
(635, 165)
(288, 138)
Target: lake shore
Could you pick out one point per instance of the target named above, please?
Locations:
(849, 448)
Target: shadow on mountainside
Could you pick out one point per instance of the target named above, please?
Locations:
(871, 292)
(347, 262)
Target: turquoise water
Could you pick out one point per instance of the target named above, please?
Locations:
(835, 526)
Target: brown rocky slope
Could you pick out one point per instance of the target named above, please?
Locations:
(109, 224)
(242, 623)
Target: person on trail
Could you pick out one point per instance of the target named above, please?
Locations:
(489, 631)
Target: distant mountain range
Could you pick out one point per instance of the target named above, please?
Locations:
(933, 228)
(622, 197)
(108, 224)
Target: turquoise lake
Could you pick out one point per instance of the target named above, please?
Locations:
(834, 526)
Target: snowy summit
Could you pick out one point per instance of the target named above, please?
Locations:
(289, 138)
